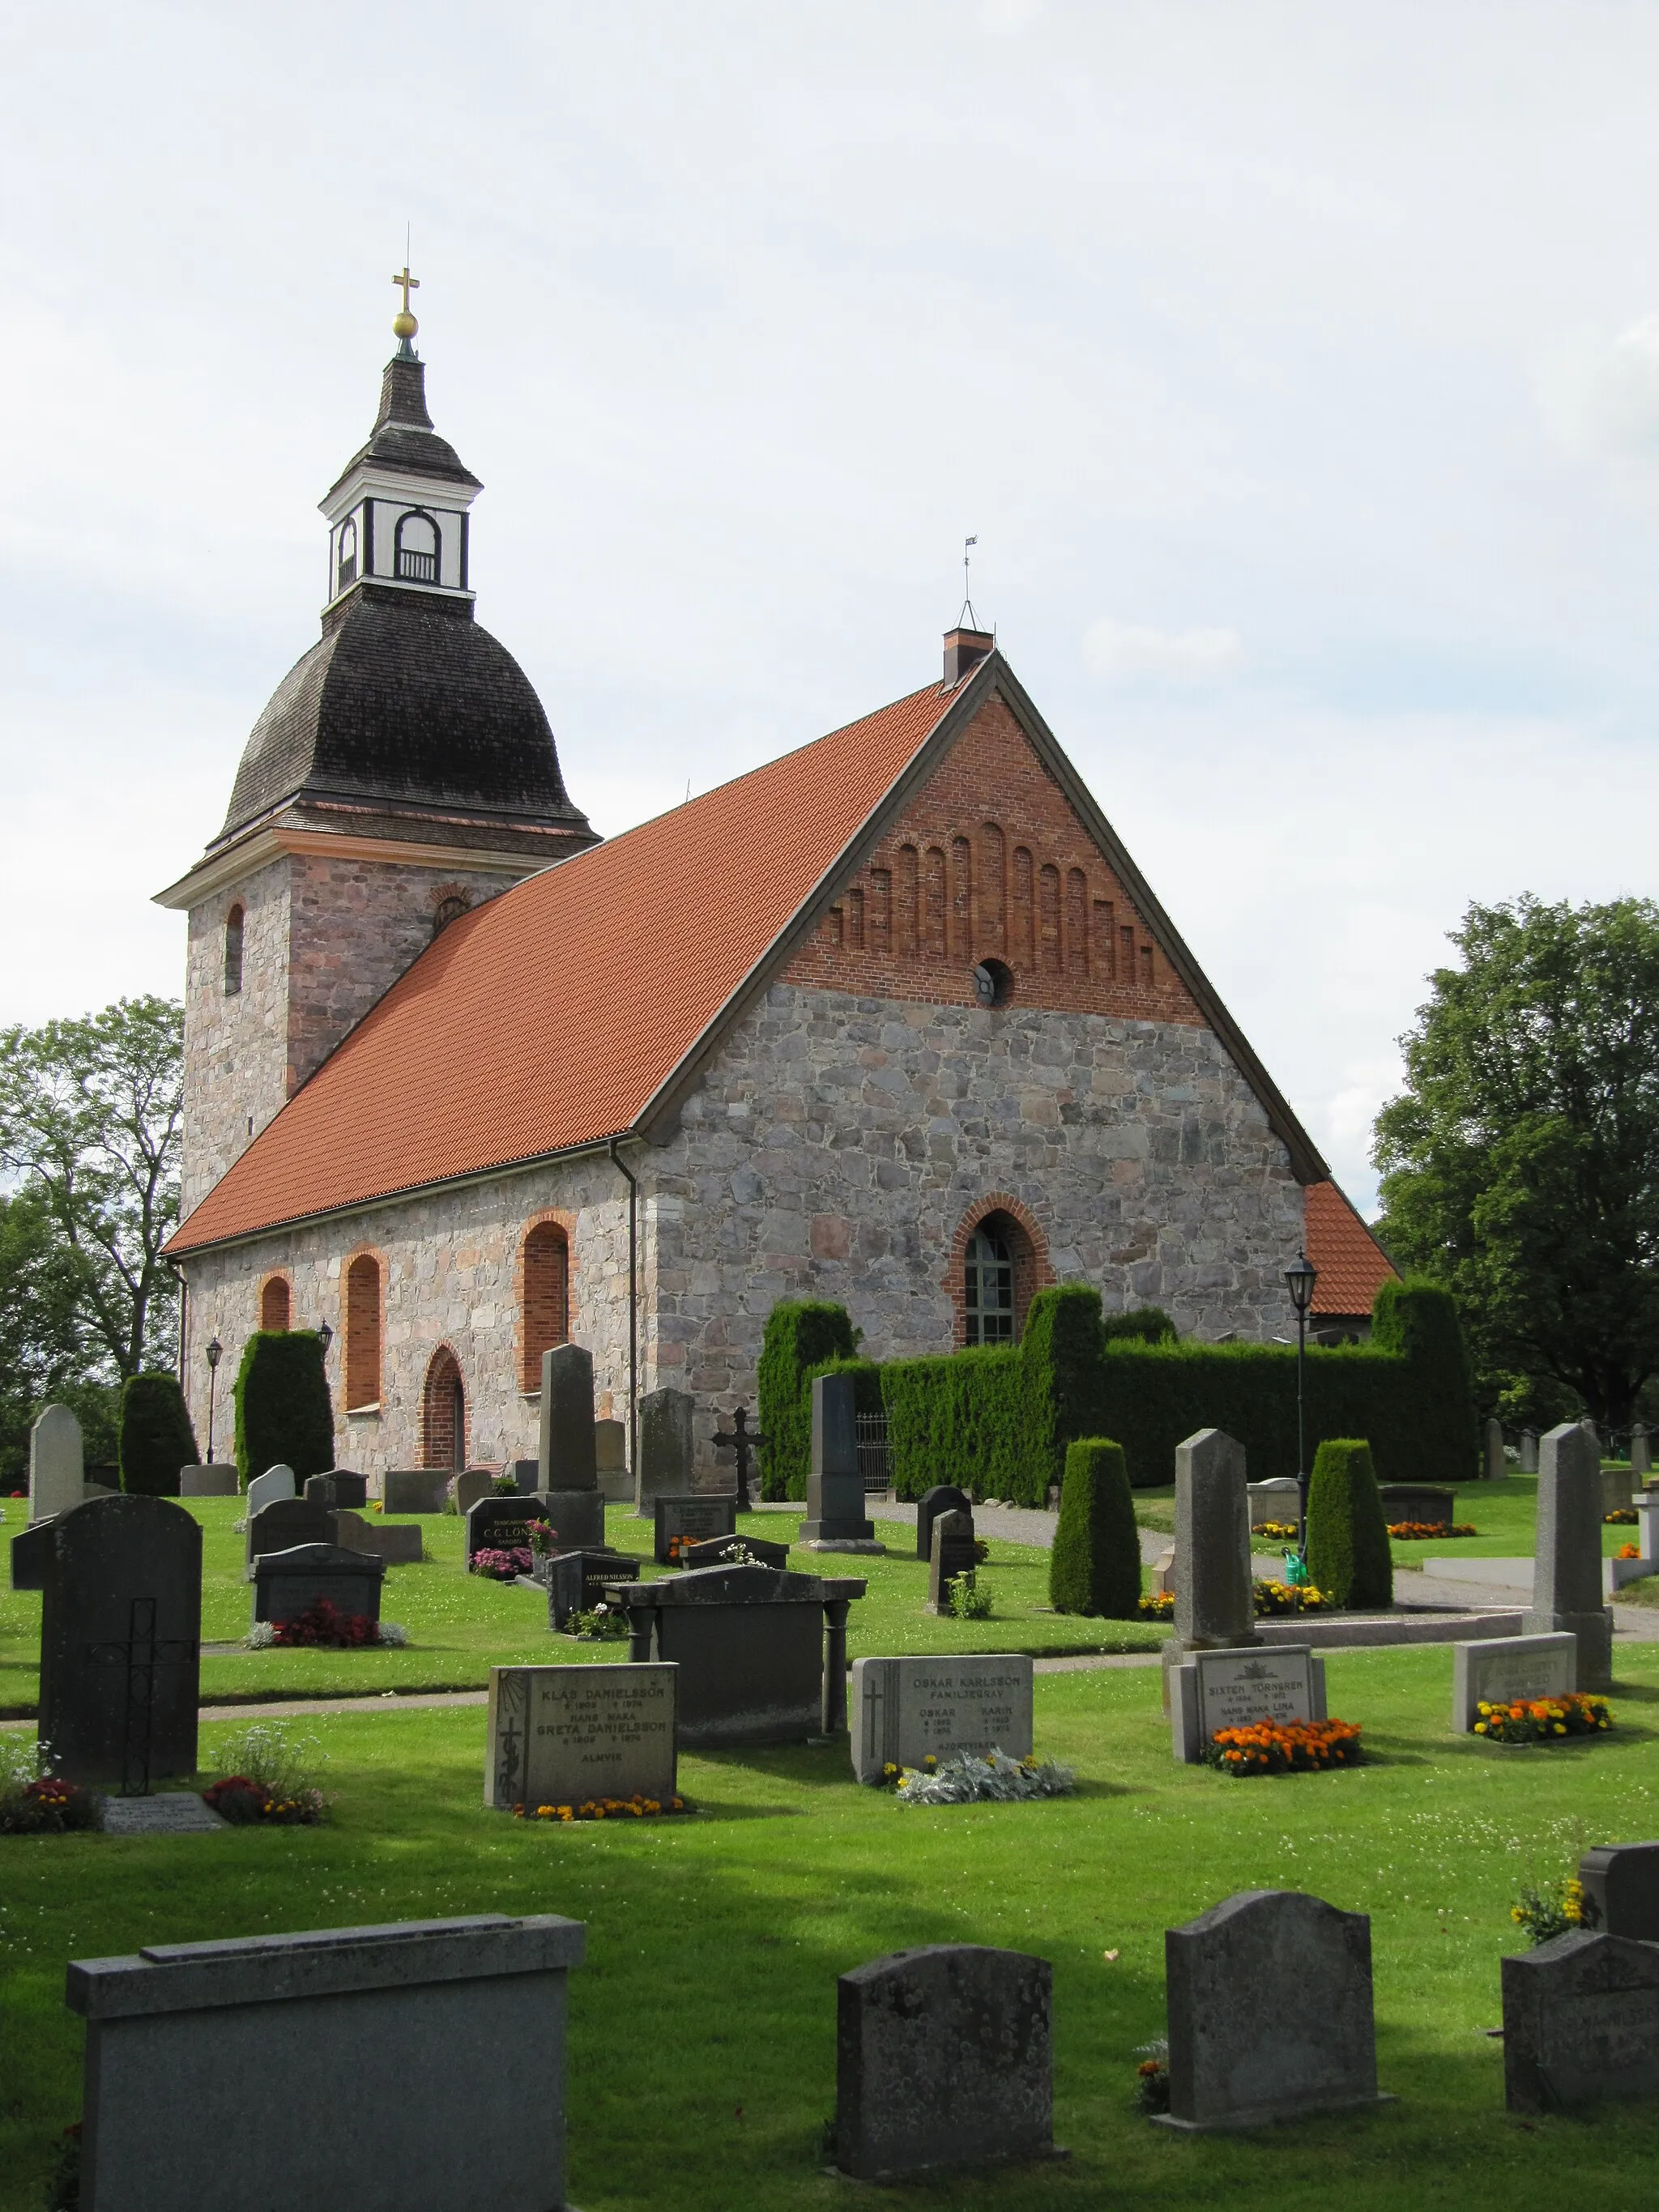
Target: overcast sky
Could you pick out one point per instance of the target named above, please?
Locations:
(1297, 368)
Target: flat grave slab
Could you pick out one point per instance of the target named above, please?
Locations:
(171, 1813)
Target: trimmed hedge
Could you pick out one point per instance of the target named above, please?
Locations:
(1349, 1553)
(1095, 1565)
(284, 1416)
(156, 1437)
(801, 1334)
(957, 1418)
(1149, 1324)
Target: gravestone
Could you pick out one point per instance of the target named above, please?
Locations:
(31, 1554)
(120, 1641)
(610, 1461)
(1415, 1501)
(943, 1497)
(290, 1520)
(57, 1469)
(1581, 2022)
(666, 1449)
(944, 2057)
(834, 1488)
(1278, 1498)
(1494, 1466)
(220, 1480)
(415, 1489)
(355, 2032)
(1641, 1451)
(1500, 1668)
(467, 1489)
(394, 1542)
(906, 1709)
(678, 1518)
(1566, 1590)
(566, 1735)
(737, 1551)
(340, 1491)
(169, 1812)
(1529, 1451)
(288, 1583)
(576, 1581)
(566, 1455)
(1214, 1690)
(1620, 1883)
(1270, 2012)
(273, 1487)
(1215, 1603)
(762, 1656)
(500, 1523)
(953, 1554)
(526, 1474)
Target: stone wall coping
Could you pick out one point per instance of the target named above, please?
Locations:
(167, 1978)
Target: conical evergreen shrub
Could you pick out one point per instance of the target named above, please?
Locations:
(156, 1437)
(284, 1416)
(1094, 1566)
(1348, 1555)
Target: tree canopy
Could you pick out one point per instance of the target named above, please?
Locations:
(1520, 1165)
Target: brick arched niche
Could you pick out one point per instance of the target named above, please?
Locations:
(546, 1305)
(1016, 1230)
(443, 1413)
(363, 1332)
(275, 1303)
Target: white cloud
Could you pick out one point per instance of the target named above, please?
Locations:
(1602, 398)
(1113, 648)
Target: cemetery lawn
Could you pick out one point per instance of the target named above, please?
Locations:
(459, 1625)
(702, 2027)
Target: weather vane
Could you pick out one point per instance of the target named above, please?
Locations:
(967, 604)
(403, 324)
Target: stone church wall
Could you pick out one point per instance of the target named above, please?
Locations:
(235, 1042)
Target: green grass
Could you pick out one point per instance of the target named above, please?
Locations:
(461, 1625)
(702, 2027)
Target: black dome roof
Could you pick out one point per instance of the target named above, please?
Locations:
(408, 702)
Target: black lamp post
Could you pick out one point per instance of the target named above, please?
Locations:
(216, 1353)
(325, 1337)
(1299, 1280)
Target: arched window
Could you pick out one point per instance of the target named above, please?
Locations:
(990, 1285)
(347, 572)
(449, 909)
(443, 1413)
(362, 1333)
(415, 548)
(274, 1303)
(233, 951)
(546, 1320)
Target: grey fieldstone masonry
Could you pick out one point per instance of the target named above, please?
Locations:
(832, 1151)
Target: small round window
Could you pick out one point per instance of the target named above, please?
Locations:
(994, 984)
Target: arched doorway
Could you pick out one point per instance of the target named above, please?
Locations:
(443, 1413)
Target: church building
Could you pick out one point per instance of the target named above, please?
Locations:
(894, 1020)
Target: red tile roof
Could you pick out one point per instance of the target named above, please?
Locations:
(552, 1017)
(1352, 1266)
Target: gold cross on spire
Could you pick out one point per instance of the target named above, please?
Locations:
(408, 283)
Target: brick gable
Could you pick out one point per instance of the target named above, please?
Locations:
(987, 859)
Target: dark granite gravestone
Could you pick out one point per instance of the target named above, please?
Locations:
(340, 1491)
(1415, 1501)
(416, 1489)
(394, 1542)
(953, 1554)
(678, 1518)
(527, 1475)
(288, 1584)
(944, 2057)
(834, 1488)
(1581, 2022)
(566, 1455)
(30, 1553)
(220, 1480)
(1270, 2012)
(943, 1497)
(666, 1449)
(762, 1655)
(576, 1581)
(1621, 1890)
(278, 1528)
(120, 1641)
(577, 1517)
(733, 1551)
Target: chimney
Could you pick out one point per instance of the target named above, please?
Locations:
(963, 651)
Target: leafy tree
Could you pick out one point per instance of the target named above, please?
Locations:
(91, 1117)
(42, 1346)
(1521, 1166)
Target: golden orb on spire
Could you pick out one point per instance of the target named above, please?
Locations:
(403, 324)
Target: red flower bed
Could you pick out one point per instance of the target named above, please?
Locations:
(243, 1802)
(1419, 1532)
(325, 1623)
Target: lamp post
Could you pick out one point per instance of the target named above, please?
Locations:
(325, 1337)
(216, 1353)
(1299, 1280)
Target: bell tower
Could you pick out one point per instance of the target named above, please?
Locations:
(404, 772)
